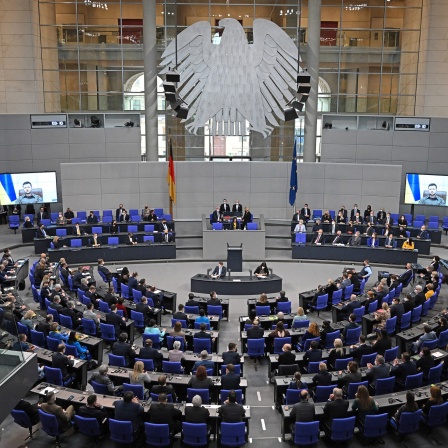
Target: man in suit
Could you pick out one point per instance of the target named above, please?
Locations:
(371, 218)
(231, 356)
(163, 388)
(357, 351)
(397, 309)
(60, 361)
(370, 299)
(389, 242)
(118, 212)
(355, 239)
(192, 302)
(408, 303)
(296, 216)
(255, 332)
(148, 352)
(219, 271)
(381, 216)
(157, 297)
(110, 297)
(41, 232)
(133, 281)
(129, 409)
(145, 309)
(92, 218)
(230, 411)
(224, 207)
(286, 357)
(164, 412)
(337, 239)
(423, 234)
(403, 370)
(93, 296)
(314, 354)
(167, 237)
(419, 297)
(58, 291)
(124, 216)
(388, 220)
(204, 361)
(237, 207)
(93, 409)
(69, 215)
(95, 241)
(407, 274)
(343, 210)
(305, 213)
(64, 416)
(56, 304)
(202, 334)
(112, 318)
(123, 348)
(78, 230)
(41, 214)
(344, 282)
(180, 313)
(378, 371)
(303, 411)
(319, 239)
(130, 239)
(337, 407)
(104, 270)
(348, 308)
(380, 294)
(247, 217)
(70, 312)
(351, 325)
(216, 216)
(316, 226)
(213, 300)
(101, 377)
(196, 413)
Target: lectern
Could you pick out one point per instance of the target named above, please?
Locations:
(235, 258)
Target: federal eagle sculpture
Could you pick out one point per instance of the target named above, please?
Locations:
(234, 81)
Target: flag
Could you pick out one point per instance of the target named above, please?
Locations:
(170, 177)
(414, 185)
(7, 191)
(293, 181)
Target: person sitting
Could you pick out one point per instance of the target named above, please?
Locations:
(230, 411)
(92, 218)
(255, 332)
(101, 377)
(55, 332)
(425, 363)
(323, 377)
(59, 360)
(353, 375)
(27, 319)
(358, 350)
(402, 221)
(123, 348)
(176, 355)
(200, 381)
(408, 244)
(286, 357)
(311, 333)
(435, 399)
(381, 316)
(163, 388)
(154, 329)
(262, 270)
(231, 356)
(22, 345)
(31, 410)
(64, 416)
(148, 352)
(300, 227)
(202, 318)
(409, 406)
(83, 352)
(336, 407)
(364, 404)
(180, 313)
(279, 331)
(197, 413)
(404, 369)
(177, 331)
(230, 380)
(382, 343)
(378, 371)
(428, 335)
(314, 354)
(337, 352)
(219, 271)
(297, 383)
(93, 409)
(351, 325)
(300, 316)
(302, 411)
(204, 361)
(129, 409)
(139, 376)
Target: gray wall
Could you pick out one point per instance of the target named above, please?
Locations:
(262, 186)
(23, 149)
(415, 151)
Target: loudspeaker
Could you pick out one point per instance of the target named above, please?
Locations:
(303, 78)
(170, 97)
(182, 112)
(297, 105)
(290, 114)
(304, 88)
(172, 76)
(169, 87)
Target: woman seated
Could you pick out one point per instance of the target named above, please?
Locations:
(353, 375)
(408, 244)
(154, 329)
(200, 381)
(364, 404)
(300, 316)
(402, 222)
(373, 241)
(55, 332)
(336, 353)
(340, 218)
(401, 232)
(114, 227)
(409, 406)
(388, 230)
(177, 330)
(139, 376)
(262, 270)
(262, 300)
(323, 377)
(435, 399)
(370, 229)
(83, 352)
(234, 225)
(61, 221)
(279, 331)
(383, 343)
(27, 319)
(310, 333)
(326, 217)
(297, 383)
(176, 355)
(381, 316)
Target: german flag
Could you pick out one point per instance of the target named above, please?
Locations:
(170, 177)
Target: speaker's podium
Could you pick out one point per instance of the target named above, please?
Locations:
(235, 258)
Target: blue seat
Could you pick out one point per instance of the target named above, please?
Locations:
(322, 393)
(155, 338)
(264, 310)
(341, 364)
(284, 307)
(158, 434)
(117, 361)
(413, 381)
(409, 422)
(100, 388)
(89, 326)
(443, 339)
(279, 343)
(391, 325)
(23, 420)
(359, 312)
(425, 308)
(191, 309)
(171, 367)
(82, 216)
(135, 218)
(330, 338)
(98, 230)
(300, 238)
(384, 386)
(431, 344)
(50, 425)
(113, 240)
(148, 227)
(133, 229)
(214, 310)
(194, 434)
(182, 322)
(170, 340)
(352, 335)
(255, 347)
(308, 343)
(405, 320)
(54, 313)
(88, 426)
(108, 333)
(76, 242)
(398, 290)
(155, 397)
(374, 426)
(71, 350)
(125, 291)
(61, 232)
(121, 431)
(237, 369)
(301, 324)
(391, 354)
(313, 366)
(137, 389)
(251, 226)
(217, 226)
(52, 344)
(367, 359)
(202, 344)
(147, 238)
(158, 212)
(336, 297)
(54, 376)
(306, 433)
(416, 314)
(321, 303)
(434, 374)
(342, 429)
(233, 434)
(348, 291)
(22, 329)
(148, 364)
(373, 307)
(292, 396)
(103, 306)
(107, 219)
(37, 338)
(436, 416)
(66, 321)
(14, 222)
(203, 393)
(353, 388)
(136, 295)
(139, 319)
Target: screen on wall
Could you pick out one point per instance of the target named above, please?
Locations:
(28, 188)
(426, 189)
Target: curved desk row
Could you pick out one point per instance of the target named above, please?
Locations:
(28, 234)
(236, 285)
(349, 253)
(43, 244)
(114, 253)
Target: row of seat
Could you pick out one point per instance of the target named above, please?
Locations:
(249, 226)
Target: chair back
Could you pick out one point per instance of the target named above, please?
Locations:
(359, 312)
(76, 242)
(49, 423)
(348, 291)
(233, 434)
(352, 335)
(148, 364)
(155, 338)
(217, 226)
(279, 343)
(443, 339)
(182, 322)
(264, 310)
(121, 431)
(431, 344)
(237, 369)
(202, 344)
(391, 354)
(116, 286)
(292, 396)
(384, 386)
(100, 388)
(214, 310)
(191, 309)
(37, 338)
(308, 343)
(194, 434)
(366, 359)
(425, 308)
(125, 291)
(155, 397)
(22, 329)
(435, 374)
(137, 389)
(391, 324)
(252, 226)
(409, 422)
(136, 295)
(342, 429)
(138, 318)
(170, 341)
(113, 240)
(406, 320)
(66, 321)
(300, 238)
(301, 324)
(341, 364)
(71, 350)
(157, 434)
(117, 361)
(375, 426)
(322, 393)
(171, 367)
(89, 326)
(147, 238)
(54, 313)
(88, 426)
(107, 332)
(61, 232)
(148, 227)
(330, 338)
(437, 415)
(416, 314)
(306, 433)
(255, 347)
(52, 344)
(337, 296)
(203, 393)
(22, 419)
(284, 307)
(413, 381)
(321, 302)
(313, 366)
(353, 388)
(104, 306)
(53, 375)
(373, 307)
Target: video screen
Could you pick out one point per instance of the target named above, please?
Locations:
(28, 188)
(426, 189)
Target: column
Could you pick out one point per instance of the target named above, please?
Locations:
(150, 64)
(312, 62)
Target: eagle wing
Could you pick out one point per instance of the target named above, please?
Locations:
(194, 51)
(275, 60)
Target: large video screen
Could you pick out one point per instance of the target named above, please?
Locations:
(28, 188)
(426, 189)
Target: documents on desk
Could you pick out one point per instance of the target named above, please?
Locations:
(236, 280)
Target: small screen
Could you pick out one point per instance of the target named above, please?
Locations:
(28, 188)
(426, 189)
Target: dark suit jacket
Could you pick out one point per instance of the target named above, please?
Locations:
(179, 315)
(397, 310)
(353, 213)
(196, 414)
(367, 219)
(128, 240)
(123, 349)
(286, 358)
(378, 372)
(41, 216)
(215, 216)
(224, 208)
(164, 413)
(255, 332)
(231, 413)
(97, 413)
(230, 381)
(322, 239)
(118, 213)
(335, 409)
(237, 208)
(60, 361)
(129, 412)
(105, 271)
(150, 353)
(403, 278)
(40, 234)
(231, 358)
(223, 271)
(124, 218)
(132, 282)
(303, 411)
(117, 321)
(303, 213)
(363, 349)
(401, 371)
(419, 299)
(313, 355)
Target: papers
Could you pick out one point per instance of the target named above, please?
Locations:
(437, 354)
(236, 279)
(76, 362)
(47, 390)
